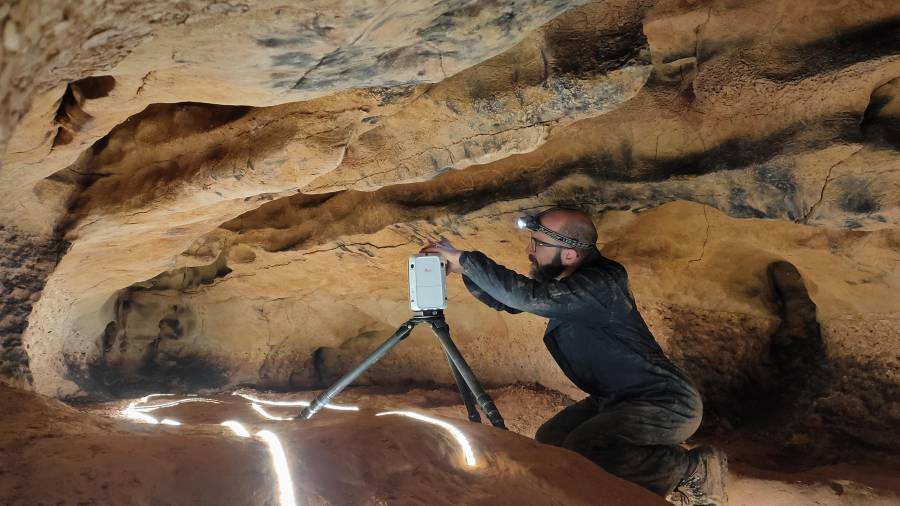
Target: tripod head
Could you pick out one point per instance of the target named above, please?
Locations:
(426, 316)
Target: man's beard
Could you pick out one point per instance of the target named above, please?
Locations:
(542, 273)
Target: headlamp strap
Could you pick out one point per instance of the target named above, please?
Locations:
(532, 224)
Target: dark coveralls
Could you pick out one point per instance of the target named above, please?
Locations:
(640, 405)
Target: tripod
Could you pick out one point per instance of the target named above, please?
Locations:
(469, 388)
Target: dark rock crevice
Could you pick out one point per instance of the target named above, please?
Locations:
(25, 263)
(70, 115)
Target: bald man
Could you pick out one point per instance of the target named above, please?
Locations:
(640, 406)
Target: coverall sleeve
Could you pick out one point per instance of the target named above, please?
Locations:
(485, 298)
(575, 296)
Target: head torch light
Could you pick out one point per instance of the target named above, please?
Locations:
(533, 223)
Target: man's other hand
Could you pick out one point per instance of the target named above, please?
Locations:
(447, 252)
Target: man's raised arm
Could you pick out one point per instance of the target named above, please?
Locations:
(482, 296)
(577, 295)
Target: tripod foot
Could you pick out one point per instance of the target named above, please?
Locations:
(491, 411)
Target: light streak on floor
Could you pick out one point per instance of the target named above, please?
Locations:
(170, 404)
(276, 450)
(139, 413)
(265, 414)
(146, 398)
(279, 460)
(132, 414)
(236, 427)
(135, 414)
(282, 472)
(456, 433)
(304, 404)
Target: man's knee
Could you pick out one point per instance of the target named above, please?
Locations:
(549, 434)
(589, 442)
(555, 430)
(692, 410)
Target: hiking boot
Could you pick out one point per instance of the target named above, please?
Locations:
(706, 485)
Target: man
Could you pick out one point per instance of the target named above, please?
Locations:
(640, 406)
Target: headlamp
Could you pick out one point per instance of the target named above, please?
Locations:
(533, 223)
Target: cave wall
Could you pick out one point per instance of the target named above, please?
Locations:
(297, 318)
(83, 73)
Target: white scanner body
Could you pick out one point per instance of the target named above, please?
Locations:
(427, 282)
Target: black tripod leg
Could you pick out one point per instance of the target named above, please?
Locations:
(442, 331)
(465, 393)
(325, 397)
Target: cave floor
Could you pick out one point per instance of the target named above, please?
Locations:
(755, 477)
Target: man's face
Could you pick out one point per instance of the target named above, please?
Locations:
(546, 261)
